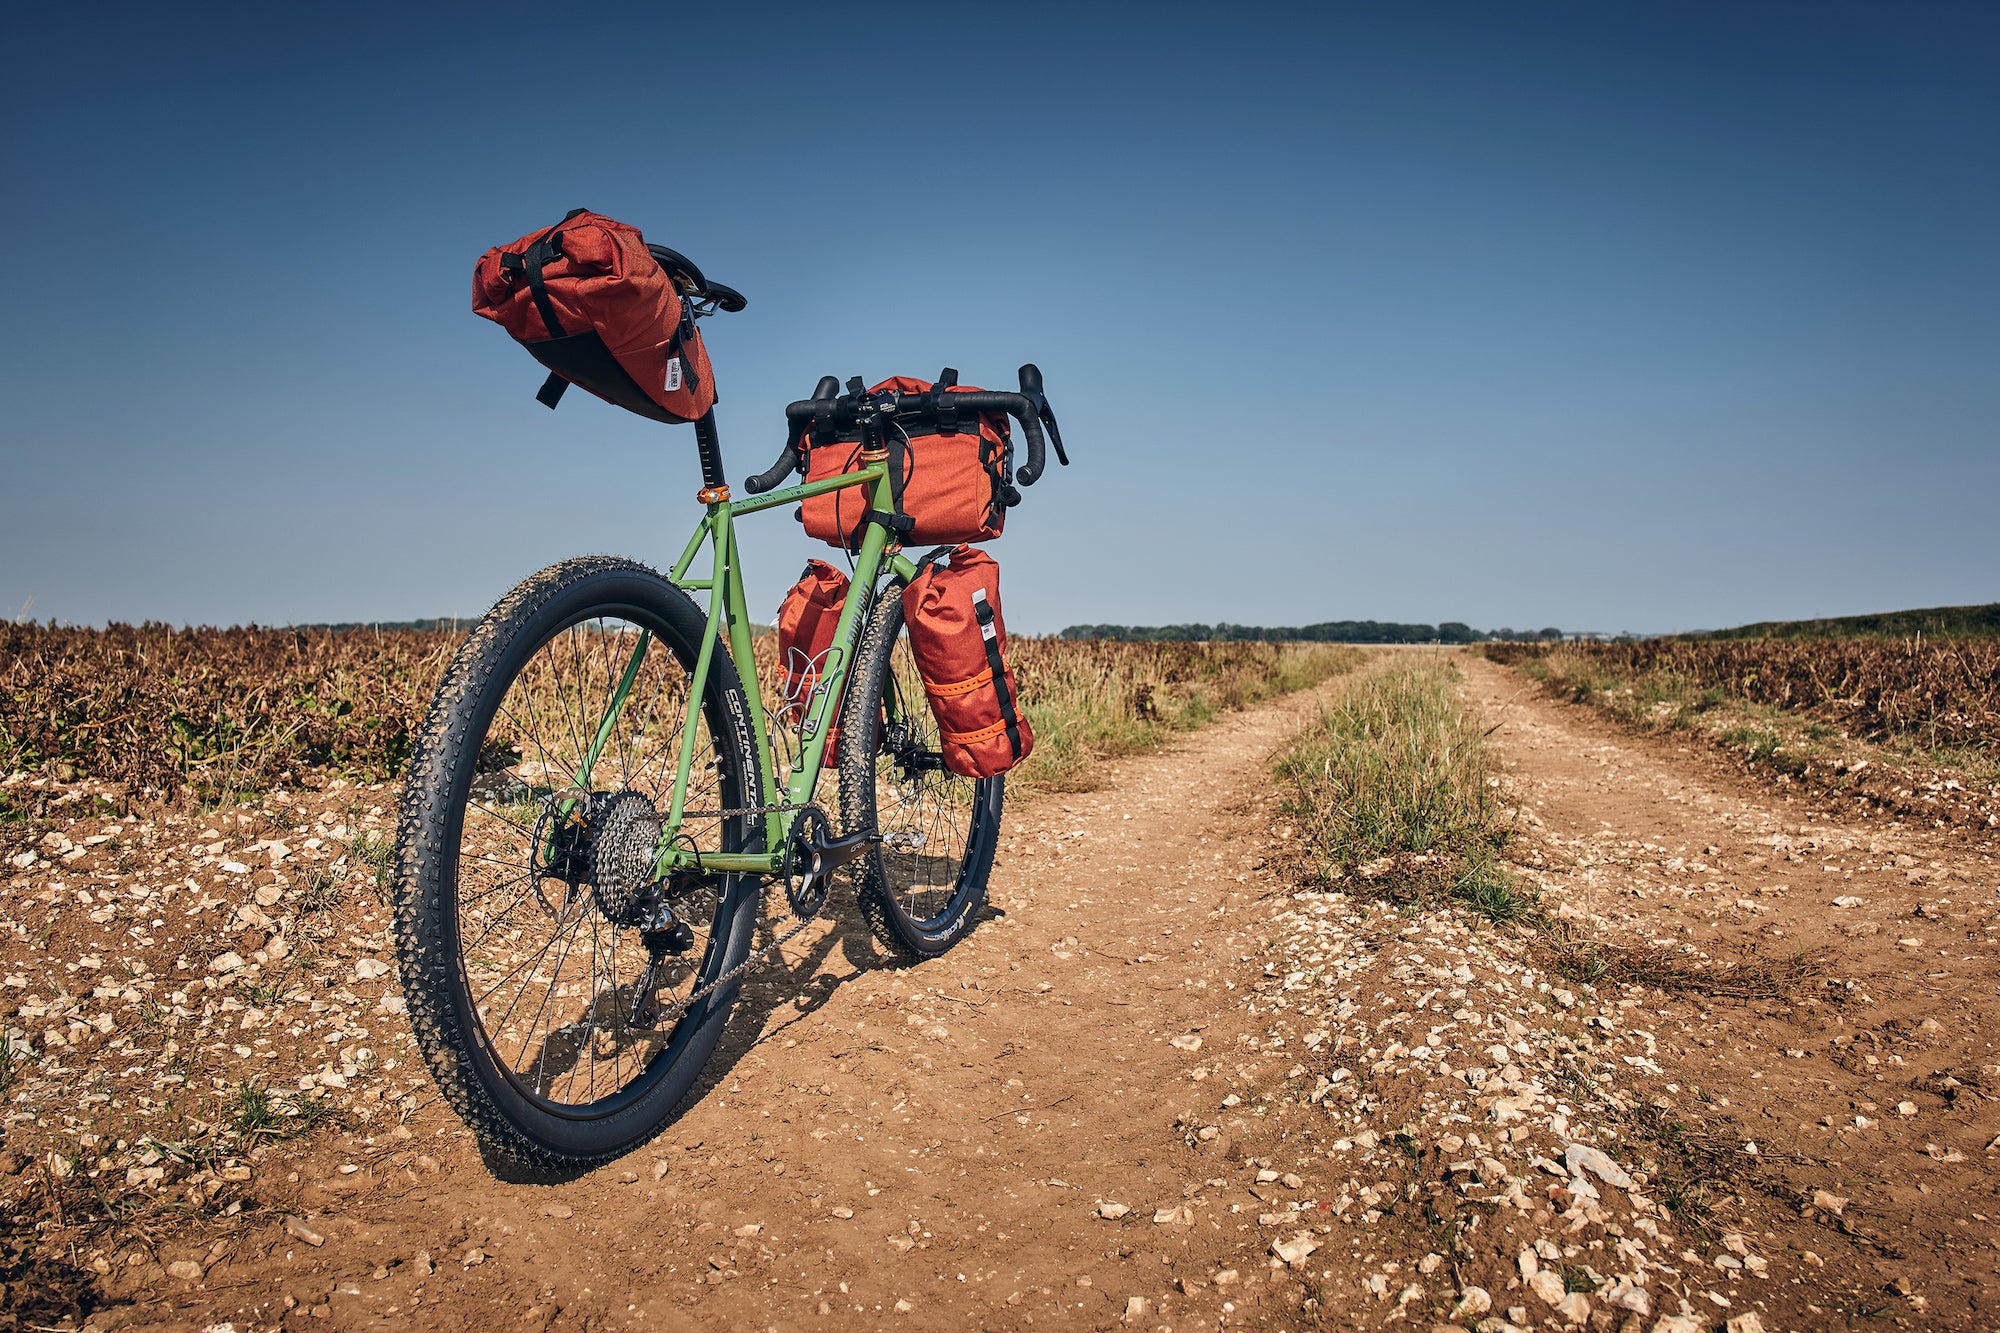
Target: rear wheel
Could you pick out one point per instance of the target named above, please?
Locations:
(540, 962)
(922, 886)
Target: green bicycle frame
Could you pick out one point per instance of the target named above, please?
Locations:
(729, 626)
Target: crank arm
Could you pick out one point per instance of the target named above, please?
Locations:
(830, 856)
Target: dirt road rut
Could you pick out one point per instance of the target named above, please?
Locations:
(981, 1141)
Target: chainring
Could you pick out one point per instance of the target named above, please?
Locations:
(805, 892)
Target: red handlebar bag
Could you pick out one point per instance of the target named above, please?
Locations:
(955, 472)
(589, 301)
(806, 622)
(952, 609)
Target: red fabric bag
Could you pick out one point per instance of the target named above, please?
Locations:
(952, 610)
(590, 302)
(807, 620)
(956, 473)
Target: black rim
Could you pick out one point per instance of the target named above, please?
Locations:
(936, 825)
(569, 1024)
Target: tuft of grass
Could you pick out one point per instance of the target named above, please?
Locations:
(320, 891)
(12, 1061)
(1392, 793)
(1592, 962)
(1688, 1165)
(377, 851)
(258, 1114)
(253, 1111)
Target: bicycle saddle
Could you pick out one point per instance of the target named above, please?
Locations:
(690, 280)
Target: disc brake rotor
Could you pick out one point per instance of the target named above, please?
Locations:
(559, 838)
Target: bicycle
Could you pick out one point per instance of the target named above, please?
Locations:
(595, 805)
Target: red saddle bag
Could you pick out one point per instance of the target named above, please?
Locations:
(589, 301)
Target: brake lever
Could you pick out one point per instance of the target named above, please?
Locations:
(1031, 389)
(1048, 418)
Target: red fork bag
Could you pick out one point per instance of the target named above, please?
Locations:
(807, 619)
(959, 640)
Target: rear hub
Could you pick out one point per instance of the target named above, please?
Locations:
(624, 856)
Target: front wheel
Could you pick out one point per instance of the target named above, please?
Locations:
(922, 886)
(548, 975)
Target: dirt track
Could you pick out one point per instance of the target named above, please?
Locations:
(939, 1147)
(1876, 1104)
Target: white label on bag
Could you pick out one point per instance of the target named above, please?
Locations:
(673, 373)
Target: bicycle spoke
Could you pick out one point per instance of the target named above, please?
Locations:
(543, 978)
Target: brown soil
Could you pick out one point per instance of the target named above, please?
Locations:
(1875, 1100)
(1084, 1116)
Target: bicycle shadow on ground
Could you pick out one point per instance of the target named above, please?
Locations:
(802, 982)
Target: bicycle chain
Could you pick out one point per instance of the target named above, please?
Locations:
(675, 1010)
(682, 1006)
(747, 810)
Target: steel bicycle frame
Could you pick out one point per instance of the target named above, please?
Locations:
(729, 626)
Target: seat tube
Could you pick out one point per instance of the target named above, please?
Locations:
(709, 445)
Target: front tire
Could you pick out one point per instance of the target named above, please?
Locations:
(525, 979)
(922, 886)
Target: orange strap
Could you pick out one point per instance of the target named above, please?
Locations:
(974, 737)
(957, 688)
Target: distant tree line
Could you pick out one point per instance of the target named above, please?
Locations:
(431, 626)
(1956, 622)
(1331, 631)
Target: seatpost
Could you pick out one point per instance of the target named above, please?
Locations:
(714, 482)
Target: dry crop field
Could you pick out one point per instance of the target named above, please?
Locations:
(1910, 726)
(1326, 989)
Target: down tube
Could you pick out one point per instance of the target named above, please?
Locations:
(867, 564)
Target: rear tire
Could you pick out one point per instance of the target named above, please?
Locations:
(475, 897)
(921, 888)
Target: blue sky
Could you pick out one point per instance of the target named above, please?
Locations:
(1645, 316)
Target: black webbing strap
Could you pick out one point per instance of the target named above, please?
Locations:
(899, 465)
(676, 349)
(896, 522)
(942, 407)
(547, 246)
(990, 632)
